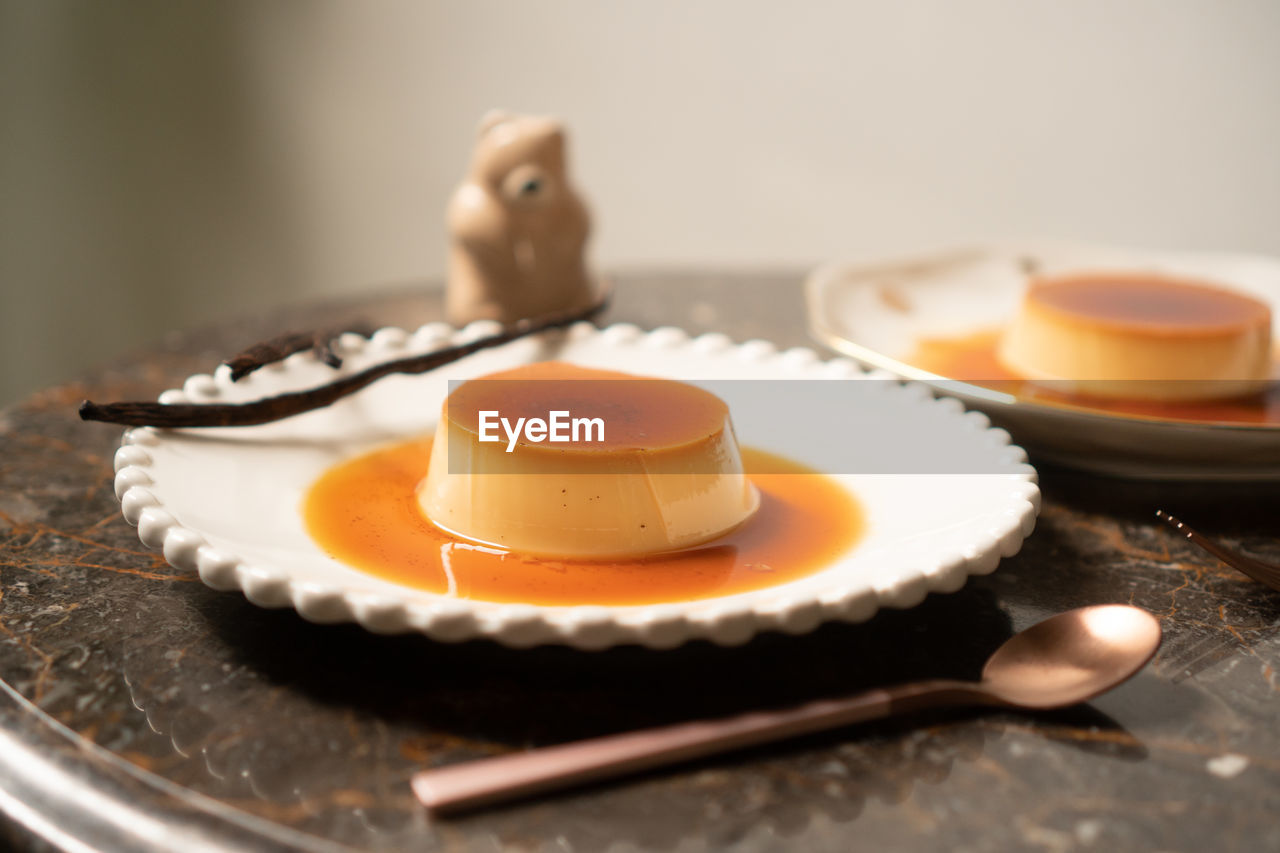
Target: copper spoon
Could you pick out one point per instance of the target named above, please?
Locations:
(1263, 573)
(1067, 659)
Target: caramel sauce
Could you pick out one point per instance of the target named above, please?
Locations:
(1152, 304)
(972, 358)
(641, 412)
(364, 513)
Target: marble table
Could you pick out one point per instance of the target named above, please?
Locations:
(140, 710)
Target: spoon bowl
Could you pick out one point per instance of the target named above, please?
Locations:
(1071, 657)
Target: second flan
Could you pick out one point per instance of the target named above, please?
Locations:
(1140, 336)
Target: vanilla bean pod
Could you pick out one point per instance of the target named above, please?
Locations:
(284, 405)
(283, 346)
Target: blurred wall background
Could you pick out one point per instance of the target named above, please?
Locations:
(163, 164)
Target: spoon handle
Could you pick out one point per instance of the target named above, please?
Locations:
(506, 777)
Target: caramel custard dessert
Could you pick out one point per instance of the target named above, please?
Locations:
(655, 467)
(1126, 343)
(665, 508)
(1140, 337)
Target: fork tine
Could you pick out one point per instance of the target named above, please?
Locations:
(1263, 573)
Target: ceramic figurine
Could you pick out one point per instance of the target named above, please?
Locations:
(517, 227)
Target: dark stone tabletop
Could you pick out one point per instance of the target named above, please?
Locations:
(141, 710)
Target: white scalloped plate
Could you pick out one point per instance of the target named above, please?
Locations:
(876, 313)
(225, 502)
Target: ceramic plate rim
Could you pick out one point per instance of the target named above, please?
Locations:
(729, 620)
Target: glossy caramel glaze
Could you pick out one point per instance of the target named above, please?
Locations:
(972, 358)
(364, 513)
(1151, 304)
(640, 413)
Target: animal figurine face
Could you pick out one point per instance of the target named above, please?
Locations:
(517, 227)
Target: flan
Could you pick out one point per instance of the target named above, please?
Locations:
(662, 472)
(1140, 337)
